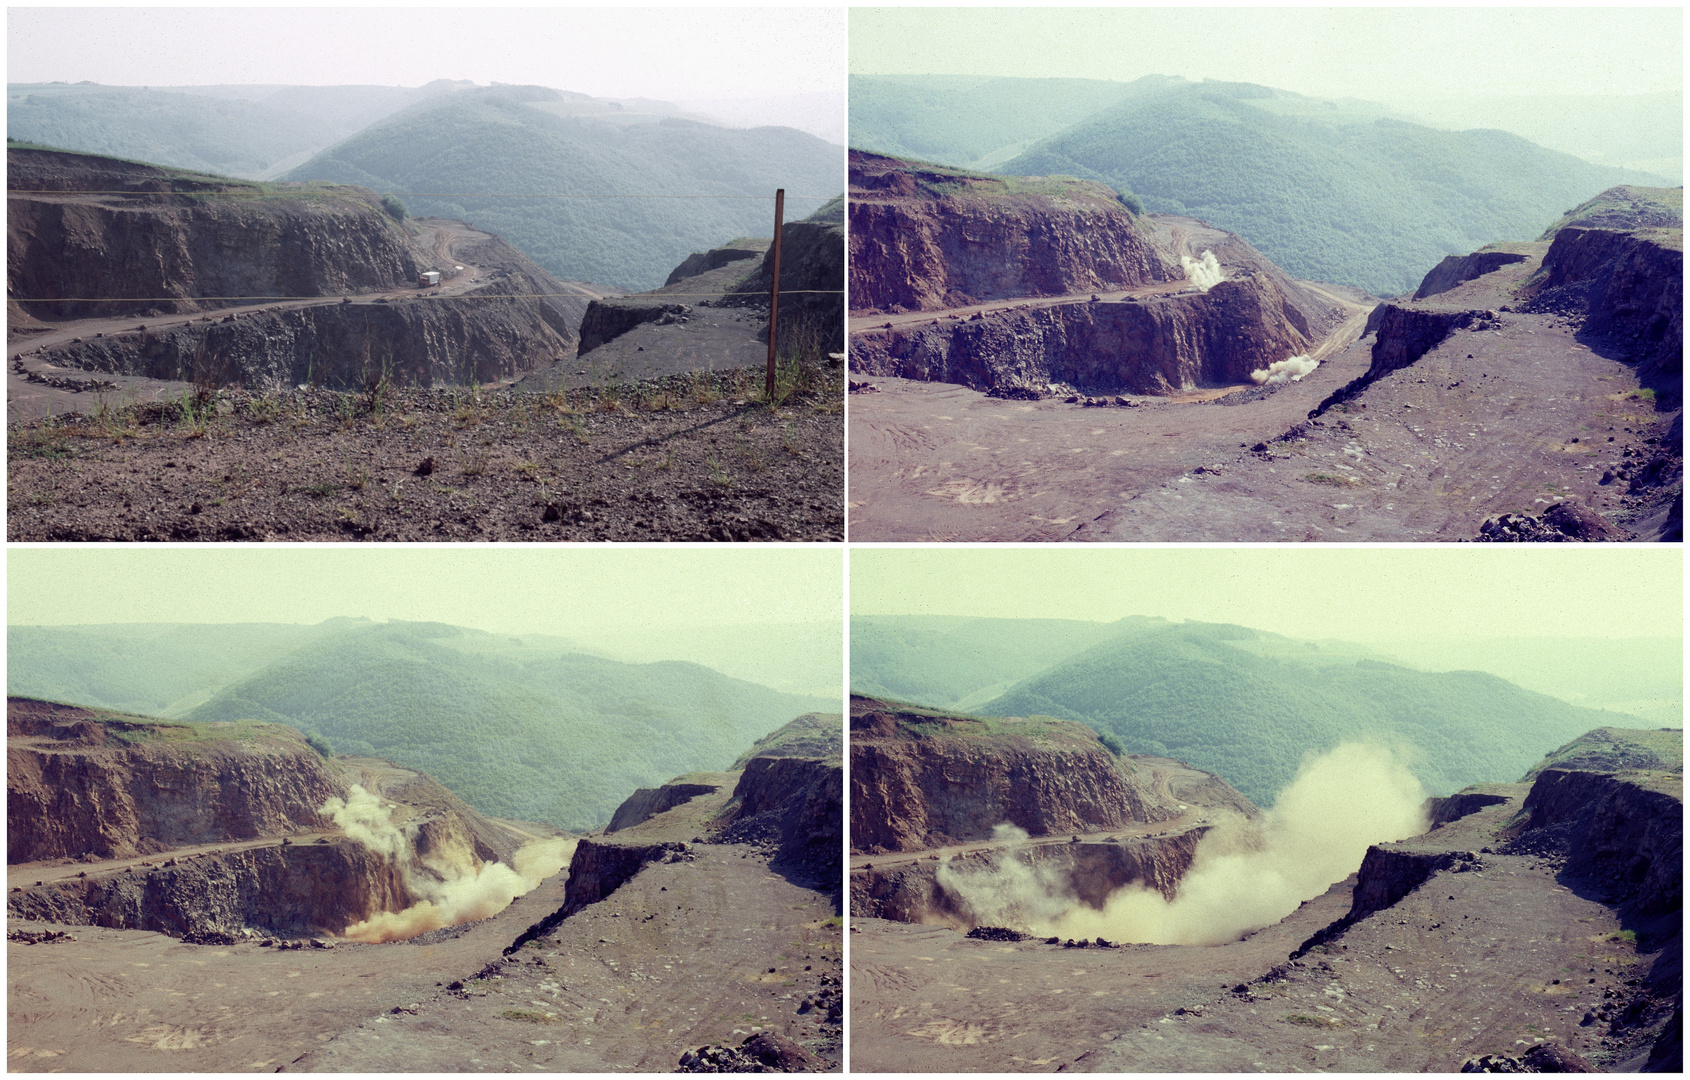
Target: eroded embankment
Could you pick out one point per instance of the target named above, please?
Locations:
(422, 341)
(296, 889)
(598, 869)
(1155, 345)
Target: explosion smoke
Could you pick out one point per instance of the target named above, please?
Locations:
(1205, 273)
(1284, 371)
(1244, 876)
(454, 886)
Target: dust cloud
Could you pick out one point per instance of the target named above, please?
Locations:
(1284, 371)
(453, 885)
(1205, 273)
(1007, 891)
(1245, 875)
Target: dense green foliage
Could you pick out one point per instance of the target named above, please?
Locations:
(942, 662)
(1330, 191)
(517, 727)
(557, 737)
(395, 207)
(190, 131)
(446, 153)
(972, 121)
(1200, 693)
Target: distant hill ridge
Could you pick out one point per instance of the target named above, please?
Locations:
(523, 728)
(1333, 191)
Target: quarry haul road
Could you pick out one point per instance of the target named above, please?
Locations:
(38, 873)
(1135, 831)
(26, 399)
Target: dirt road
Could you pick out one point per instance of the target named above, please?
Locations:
(1502, 420)
(25, 351)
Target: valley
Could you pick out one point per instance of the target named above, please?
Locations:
(1527, 926)
(705, 919)
(1150, 409)
(387, 411)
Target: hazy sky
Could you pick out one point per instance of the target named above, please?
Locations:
(674, 54)
(1378, 54)
(570, 592)
(1359, 594)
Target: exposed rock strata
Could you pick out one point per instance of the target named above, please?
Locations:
(301, 889)
(796, 803)
(1153, 346)
(598, 868)
(175, 237)
(1617, 829)
(76, 785)
(911, 791)
(812, 283)
(924, 239)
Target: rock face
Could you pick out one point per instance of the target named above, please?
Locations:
(1405, 335)
(163, 238)
(1454, 269)
(607, 320)
(1090, 872)
(922, 782)
(924, 239)
(1152, 346)
(796, 803)
(700, 262)
(597, 869)
(77, 784)
(1625, 831)
(301, 889)
(342, 346)
(647, 803)
(1629, 286)
(812, 282)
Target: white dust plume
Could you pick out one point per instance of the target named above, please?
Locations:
(452, 884)
(1284, 371)
(1007, 890)
(1205, 273)
(1243, 877)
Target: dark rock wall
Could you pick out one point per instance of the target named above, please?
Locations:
(647, 803)
(1148, 347)
(1455, 269)
(293, 890)
(797, 803)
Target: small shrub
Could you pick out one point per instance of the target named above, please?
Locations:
(395, 207)
(319, 744)
(1111, 743)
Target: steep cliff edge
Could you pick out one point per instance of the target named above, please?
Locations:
(923, 779)
(88, 236)
(925, 237)
(1153, 345)
(93, 238)
(85, 783)
(250, 832)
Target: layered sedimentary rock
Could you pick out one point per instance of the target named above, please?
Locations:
(299, 889)
(1629, 286)
(79, 784)
(166, 239)
(1154, 345)
(925, 238)
(445, 341)
(795, 803)
(920, 781)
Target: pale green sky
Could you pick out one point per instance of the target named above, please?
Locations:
(571, 592)
(1365, 594)
(1377, 54)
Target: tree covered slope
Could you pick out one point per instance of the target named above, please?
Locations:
(1249, 705)
(524, 141)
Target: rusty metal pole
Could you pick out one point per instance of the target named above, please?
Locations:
(774, 300)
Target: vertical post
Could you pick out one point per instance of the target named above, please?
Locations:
(774, 300)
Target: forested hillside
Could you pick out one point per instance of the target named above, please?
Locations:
(1329, 190)
(508, 141)
(520, 727)
(1249, 706)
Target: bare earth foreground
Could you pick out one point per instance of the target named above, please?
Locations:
(689, 457)
(1495, 961)
(705, 949)
(1509, 417)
